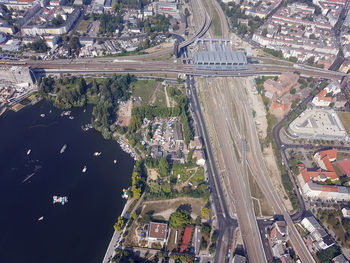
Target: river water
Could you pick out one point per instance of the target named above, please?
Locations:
(80, 230)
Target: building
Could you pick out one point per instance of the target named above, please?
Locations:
(86, 41)
(339, 100)
(157, 232)
(340, 259)
(186, 238)
(317, 123)
(279, 109)
(34, 29)
(346, 212)
(321, 100)
(279, 233)
(282, 85)
(345, 166)
(12, 45)
(198, 155)
(218, 54)
(319, 236)
(196, 143)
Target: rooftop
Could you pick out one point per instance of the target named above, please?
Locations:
(157, 230)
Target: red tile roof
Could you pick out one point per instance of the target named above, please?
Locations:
(332, 153)
(345, 165)
(322, 96)
(186, 238)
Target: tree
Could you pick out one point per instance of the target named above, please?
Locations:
(133, 215)
(187, 13)
(205, 212)
(179, 219)
(119, 225)
(163, 167)
(264, 32)
(292, 91)
(326, 255)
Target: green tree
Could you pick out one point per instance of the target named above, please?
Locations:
(326, 255)
(205, 212)
(163, 167)
(179, 219)
(120, 224)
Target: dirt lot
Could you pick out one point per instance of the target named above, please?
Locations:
(276, 176)
(162, 46)
(345, 119)
(124, 113)
(257, 105)
(165, 207)
(152, 174)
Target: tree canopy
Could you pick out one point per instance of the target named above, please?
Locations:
(179, 219)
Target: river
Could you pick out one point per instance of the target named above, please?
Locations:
(80, 230)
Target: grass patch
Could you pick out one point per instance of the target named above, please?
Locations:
(345, 119)
(144, 89)
(161, 99)
(257, 193)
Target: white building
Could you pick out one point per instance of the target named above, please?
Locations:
(346, 212)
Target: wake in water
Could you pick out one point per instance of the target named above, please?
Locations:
(27, 178)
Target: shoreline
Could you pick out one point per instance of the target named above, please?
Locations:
(112, 244)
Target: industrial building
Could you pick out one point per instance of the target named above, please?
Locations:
(218, 54)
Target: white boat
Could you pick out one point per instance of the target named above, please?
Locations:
(60, 199)
(84, 169)
(71, 117)
(97, 153)
(42, 115)
(63, 148)
(29, 151)
(40, 218)
(115, 161)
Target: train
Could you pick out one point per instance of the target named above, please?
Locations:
(13, 63)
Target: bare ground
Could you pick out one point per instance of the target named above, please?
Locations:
(124, 113)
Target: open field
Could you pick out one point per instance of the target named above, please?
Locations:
(261, 205)
(166, 207)
(345, 119)
(144, 89)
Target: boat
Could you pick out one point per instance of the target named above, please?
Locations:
(97, 153)
(40, 218)
(71, 117)
(115, 161)
(86, 127)
(84, 169)
(60, 199)
(29, 151)
(63, 148)
(84, 110)
(125, 194)
(65, 113)
(42, 115)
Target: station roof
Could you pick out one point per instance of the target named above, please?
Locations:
(220, 57)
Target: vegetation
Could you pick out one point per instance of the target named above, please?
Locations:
(326, 255)
(75, 92)
(234, 12)
(38, 46)
(110, 22)
(138, 179)
(179, 219)
(158, 23)
(120, 224)
(205, 212)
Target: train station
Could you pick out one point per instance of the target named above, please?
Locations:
(218, 54)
